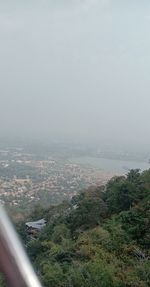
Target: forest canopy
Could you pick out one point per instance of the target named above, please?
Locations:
(101, 238)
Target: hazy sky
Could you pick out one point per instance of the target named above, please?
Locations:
(75, 69)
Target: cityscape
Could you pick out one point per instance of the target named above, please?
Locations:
(27, 180)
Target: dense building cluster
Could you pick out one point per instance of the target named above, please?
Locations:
(26, 180)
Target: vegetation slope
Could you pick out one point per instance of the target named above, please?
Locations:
(100, 239)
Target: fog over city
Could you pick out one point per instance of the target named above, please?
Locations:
(75, 69)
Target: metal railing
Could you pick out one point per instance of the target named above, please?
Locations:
(14, 263)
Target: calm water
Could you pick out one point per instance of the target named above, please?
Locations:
(112, 165)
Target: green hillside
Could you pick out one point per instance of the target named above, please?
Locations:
(100, 239)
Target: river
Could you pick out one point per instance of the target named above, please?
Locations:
(111, 165)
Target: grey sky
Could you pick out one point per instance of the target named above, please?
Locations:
(75, 69)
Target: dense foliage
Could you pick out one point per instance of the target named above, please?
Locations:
(100, 239)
